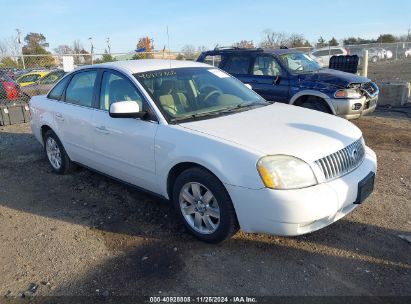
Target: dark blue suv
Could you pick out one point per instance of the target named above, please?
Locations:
(290, 76)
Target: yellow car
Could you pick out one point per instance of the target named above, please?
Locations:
(30, 78)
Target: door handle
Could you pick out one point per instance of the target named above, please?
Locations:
(59, 116)
(102, 130)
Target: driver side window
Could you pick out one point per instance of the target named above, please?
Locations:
(266, 66)
(115, 88)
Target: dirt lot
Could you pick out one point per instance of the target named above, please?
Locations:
(390, 70)
(84, 234)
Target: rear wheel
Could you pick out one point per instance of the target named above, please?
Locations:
(57, 157)
(204, 206)
(315, 103)
(374, 59)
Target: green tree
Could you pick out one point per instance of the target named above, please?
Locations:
(105, 58)
(321, 42)
(179, 57)
(358, 40)
(36, 45)
(386, 38)
(333, 42)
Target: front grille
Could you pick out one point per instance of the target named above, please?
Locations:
(343, 161)
(370, 88)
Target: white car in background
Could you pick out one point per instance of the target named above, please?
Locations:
(323, 55)
(191, 133)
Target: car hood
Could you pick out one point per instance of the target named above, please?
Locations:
(334, 77)
(282, 129)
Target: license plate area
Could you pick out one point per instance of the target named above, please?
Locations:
(365, 188)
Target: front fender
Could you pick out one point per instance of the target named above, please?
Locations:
(315, 93)
(232, 164)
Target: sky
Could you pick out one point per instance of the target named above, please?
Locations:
(199, 23)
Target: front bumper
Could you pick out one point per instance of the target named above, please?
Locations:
(299, 211)
(344, 107)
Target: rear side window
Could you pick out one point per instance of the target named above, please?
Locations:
(336, 52)
(321, 53)
(81, 88)
(57, 91)
(213, 60)
(237, 64)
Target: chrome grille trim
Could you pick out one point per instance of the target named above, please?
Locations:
(343, 161)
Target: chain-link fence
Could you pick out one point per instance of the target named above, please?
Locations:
(28, 75)
(24, 76)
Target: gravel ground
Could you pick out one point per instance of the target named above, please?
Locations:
(84, 234)
(390, 70)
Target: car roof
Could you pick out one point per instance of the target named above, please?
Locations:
(145, 65)
(259, 50)
(329, 48)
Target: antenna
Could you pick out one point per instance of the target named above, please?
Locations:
(168, 43)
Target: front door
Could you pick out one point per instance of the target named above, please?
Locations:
(124, 147)
(268, 80)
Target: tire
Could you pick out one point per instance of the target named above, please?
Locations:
(56, 155)
(212, 193)
(374, 59)
(317, 104)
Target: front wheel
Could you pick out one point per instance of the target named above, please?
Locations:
(204, 206)
(315, 103)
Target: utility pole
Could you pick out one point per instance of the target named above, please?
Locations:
(108, 45)
(18, 39)
(91, 48)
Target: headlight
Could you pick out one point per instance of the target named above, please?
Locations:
(348, 93)
(285, 172)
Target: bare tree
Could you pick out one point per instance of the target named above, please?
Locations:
(296, 40)
(244, 44)
(273, 39)
(3, 48)
(201, 48)
(77, 46)
(63, 49)
(188, 51)
(13, 46)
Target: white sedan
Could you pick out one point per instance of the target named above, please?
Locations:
(190, 133)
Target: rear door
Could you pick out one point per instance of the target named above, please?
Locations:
(238, 65)
(268, 79)
(73, 116)
(124, 147)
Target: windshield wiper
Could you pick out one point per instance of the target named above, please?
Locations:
(218, 112)
(244, 105)
(194, 116)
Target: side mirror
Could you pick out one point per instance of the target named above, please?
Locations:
(125, 109)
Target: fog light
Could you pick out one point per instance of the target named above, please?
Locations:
(356, 106)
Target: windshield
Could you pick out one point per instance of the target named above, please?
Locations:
(195, 93)
(28, 78)
(298, 63)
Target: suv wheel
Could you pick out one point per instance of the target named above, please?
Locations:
(204, 206)
(57, 157)
(315, 103)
